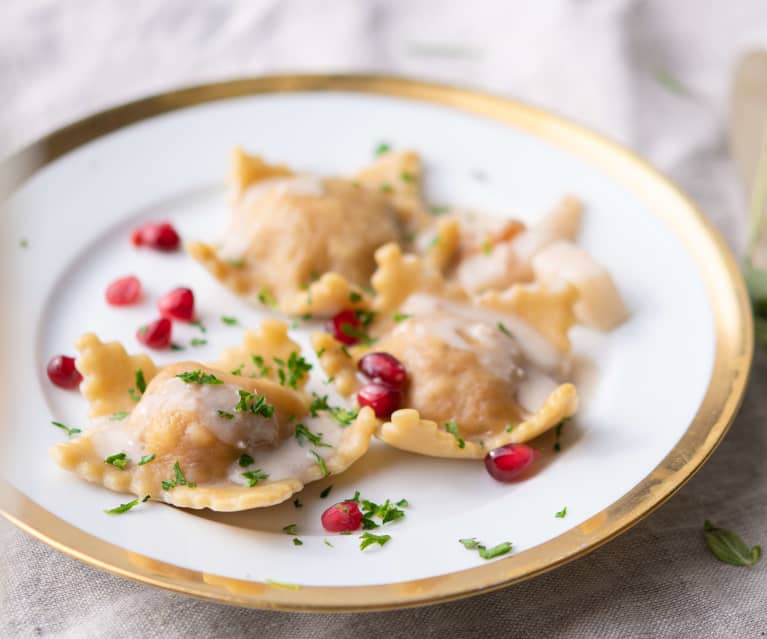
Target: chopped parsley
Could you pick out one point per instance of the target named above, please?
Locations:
(487, 248)
(245, 460)
(368, 539)
(318, 403)
(292, 371)
(561, 514)
(239, 263)
(355, 297)
(486, 553)
(510, 427)
(297, 542)
(320, 463)
(259, 362)
(224, 414)
(140, 383)
(383, 148)
(176, 347)
(503, 329)
(119, 415)
(146, 459)
(178, 479)
(358, 333)
(118, 460)
(230, 321)
(327, 543)
(303, 433)
(297, 503)
(386, 512)
(558, 434)
(439, 209)
(434, 241)
(344, 416)
(400, 317)
(326, 491)
(198, 341)
(407, 177)
(124, 508)
(387, 188)
(201, 326)
(266, 298)
(290, 529)
(69, 431)
(253, 403)
(403, 503)
(238, 370)
(254, 476)
(345, 351)
(365, 317)
(198, 377)
(452, 428)
(320, 352)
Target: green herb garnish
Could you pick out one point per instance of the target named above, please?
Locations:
(259, 362)
(355, 297)
(510, 427)
(297, 542)
(201, 326)
(302, 433)
(119, 415)
(254, 476)
(439, 209)
(452, 428)
(403, 503)
(558, 434)
(434, 241)
(326, 491)
(178, 479)
(344, 416)
(562, 513)
(387, 188)
(382, 148)
(401, 317)
(245, 460)
(290, 529)
(503, 329)
(198, 341)
(728, 546)
(176, 347)
(253, 403)
(118, 460)
(146, 459)
(238, 370)
(368, 539)
(318, 403)
(140, 381)
(365, 317)
(199, 377)
(407, 177)
(266, 298)
(69, 431)
(224, 414)
(230, 321)
(297, 503)
(292, 371)
(320, 463)
(239, 263)
(472, 543)
(487, 248)
(327, 543)
(123, 508)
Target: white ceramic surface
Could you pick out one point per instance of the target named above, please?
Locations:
(642, 390)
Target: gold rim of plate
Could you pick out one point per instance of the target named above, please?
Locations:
(716, 265)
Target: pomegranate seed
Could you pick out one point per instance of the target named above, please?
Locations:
(157, 235)
(178, 304)
(508, 462)
(382, 367)
(383, 399)
(156, 334)
(345, 516)
(125, 291)
(62, 372)
(345, 327)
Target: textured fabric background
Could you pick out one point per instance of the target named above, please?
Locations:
(654, 75)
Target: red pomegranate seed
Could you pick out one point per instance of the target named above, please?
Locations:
(156, 334)
(62, 372)
(382, 367)
(508, 462)
(125, 291)
(157, 235)
(344, 516)
(345, 327)
(383, 399)
(178, 304)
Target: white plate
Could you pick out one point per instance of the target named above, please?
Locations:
(641, 393)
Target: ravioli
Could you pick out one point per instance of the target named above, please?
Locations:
(201, 436)
(490, 373)
(305, 244)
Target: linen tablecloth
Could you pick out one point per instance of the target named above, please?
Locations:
(654, 75)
